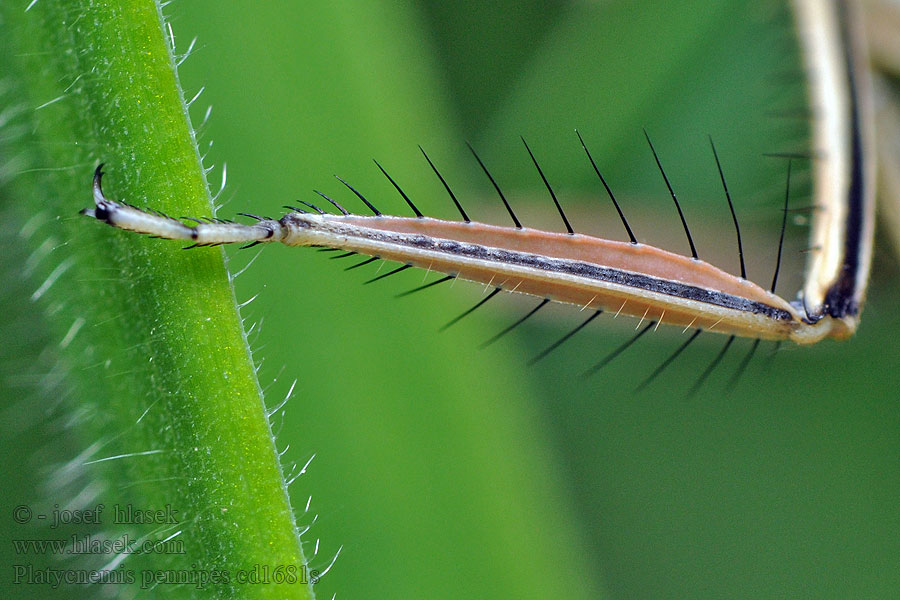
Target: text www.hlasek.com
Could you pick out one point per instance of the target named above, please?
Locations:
(90, 544)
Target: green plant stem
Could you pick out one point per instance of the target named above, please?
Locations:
(150, 335)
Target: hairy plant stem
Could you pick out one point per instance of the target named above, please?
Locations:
(161, 387)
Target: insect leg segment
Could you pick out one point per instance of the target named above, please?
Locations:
(568, 268)
(634, 279)
(131, 218)
(839, 85)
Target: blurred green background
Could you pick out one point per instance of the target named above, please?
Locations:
(448, 471)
